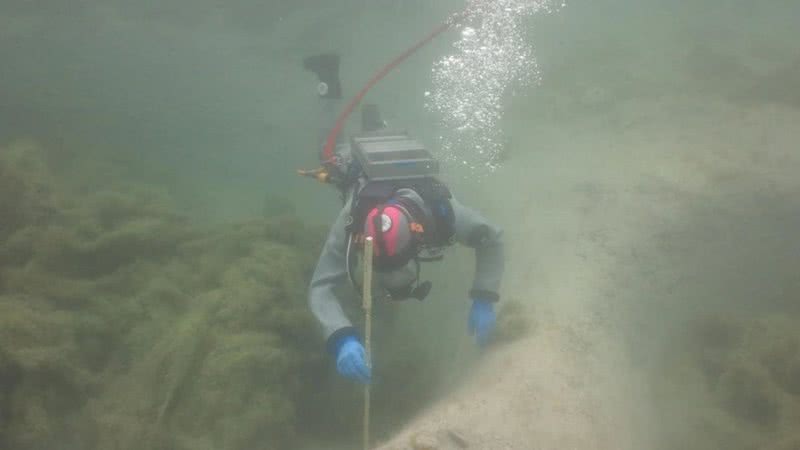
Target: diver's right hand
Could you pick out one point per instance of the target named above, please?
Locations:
(351, 360)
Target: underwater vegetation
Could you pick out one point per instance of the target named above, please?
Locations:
(513, 322)
(747, 371)
(123, 325)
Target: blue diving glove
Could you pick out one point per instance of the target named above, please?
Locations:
(481, 320)
(351, 360)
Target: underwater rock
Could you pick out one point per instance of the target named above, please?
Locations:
(745, 391)
(791, 443)
(42, 361)
(714, 337)
(422, 440)
(513, 322)
(275, 205)
(12, 189)
(780, 86)
(26, 188)
(783, 362)
(740, 369)
(752, 367)
(718, 331)
(123, 325)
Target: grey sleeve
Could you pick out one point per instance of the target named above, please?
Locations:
(330, 271)
(473, 230)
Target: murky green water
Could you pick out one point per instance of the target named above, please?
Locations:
(156, 243)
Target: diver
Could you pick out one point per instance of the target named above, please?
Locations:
(390, 192)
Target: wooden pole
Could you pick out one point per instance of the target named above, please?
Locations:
(367, 303)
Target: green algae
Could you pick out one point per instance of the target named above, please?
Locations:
(123, 325)
(514, 321)
(747, 371)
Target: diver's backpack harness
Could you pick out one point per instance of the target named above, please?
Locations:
(389, 163)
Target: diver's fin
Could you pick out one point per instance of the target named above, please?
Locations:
(326, 67)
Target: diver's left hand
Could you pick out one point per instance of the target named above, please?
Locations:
(481, 322)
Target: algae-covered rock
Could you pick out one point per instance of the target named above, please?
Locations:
(513, 322)
(782, 360)
(12, 189)
(750, 368)
(43, 366)
(123, 325)
(744, 390)
(26, 188)
(789, 443)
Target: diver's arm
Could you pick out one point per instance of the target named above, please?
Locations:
(330, 272)
(473, 230)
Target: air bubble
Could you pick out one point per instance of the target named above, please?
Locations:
(491, 58)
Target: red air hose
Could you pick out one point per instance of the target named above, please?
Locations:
(330, 142)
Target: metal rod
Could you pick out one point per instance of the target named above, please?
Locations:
(367, 303)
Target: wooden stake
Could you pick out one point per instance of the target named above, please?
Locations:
(367, 303)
